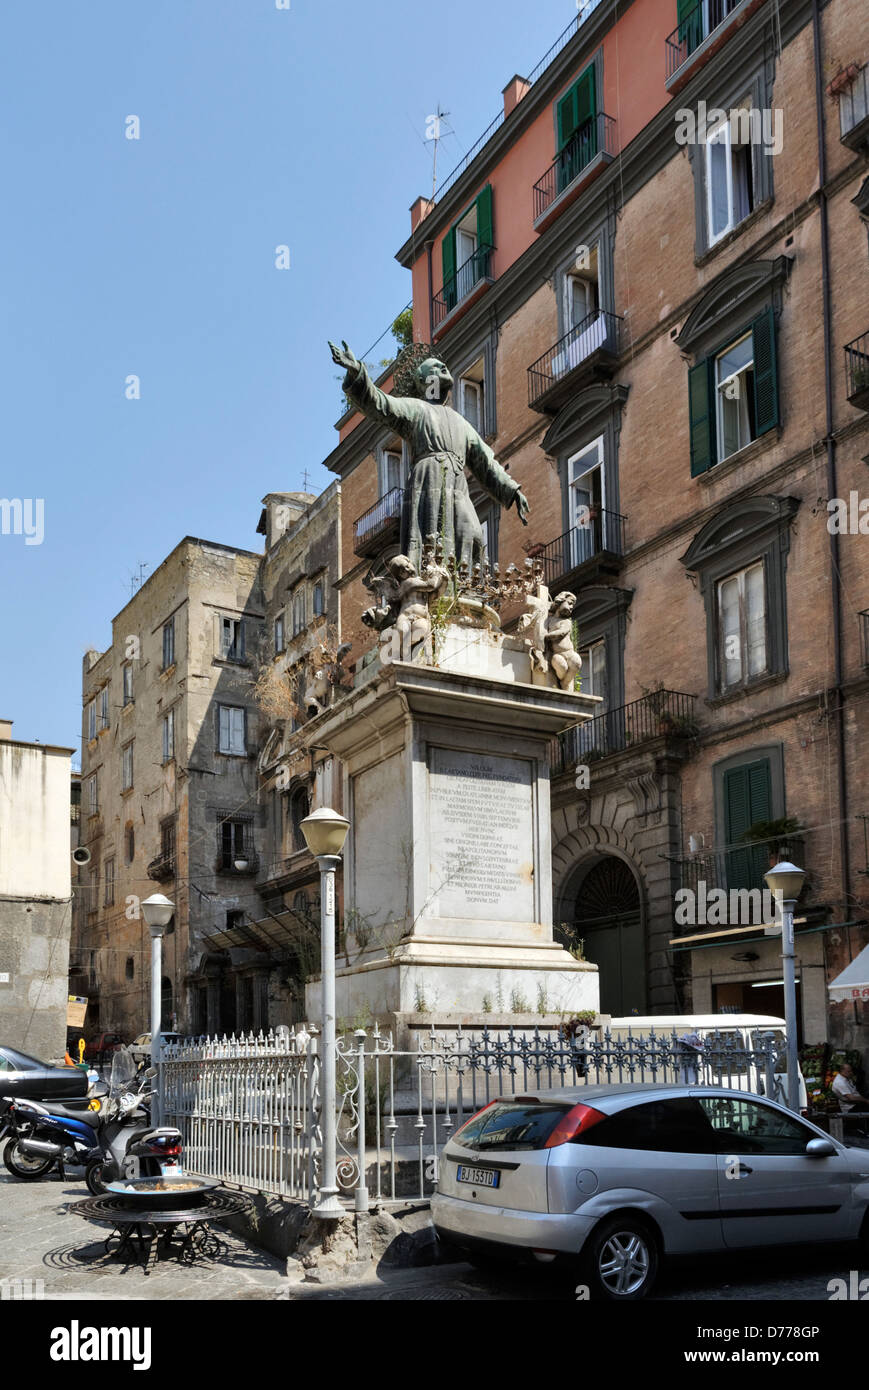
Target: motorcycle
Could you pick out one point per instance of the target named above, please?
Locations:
(45, 1135)
(128, 1146)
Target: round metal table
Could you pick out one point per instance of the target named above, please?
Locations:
(141, 1228)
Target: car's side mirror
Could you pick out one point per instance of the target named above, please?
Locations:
(820, 1148)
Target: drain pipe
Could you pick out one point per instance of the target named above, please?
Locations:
(830, 446)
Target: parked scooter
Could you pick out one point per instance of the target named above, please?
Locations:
(128, 1146)
(47, 1135)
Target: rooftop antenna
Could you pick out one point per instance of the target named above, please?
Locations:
(433, 133)
(137, 580)
(305, 481)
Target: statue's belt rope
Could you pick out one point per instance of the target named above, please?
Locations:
(443, 456)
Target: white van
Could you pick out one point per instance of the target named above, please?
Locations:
(742, 1077)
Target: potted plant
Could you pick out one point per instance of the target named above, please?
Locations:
(775, 835)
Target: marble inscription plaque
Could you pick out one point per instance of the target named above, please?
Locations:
(482, 836)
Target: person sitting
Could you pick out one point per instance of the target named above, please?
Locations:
(846, 1091)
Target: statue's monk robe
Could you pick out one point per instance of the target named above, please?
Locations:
(442, 444)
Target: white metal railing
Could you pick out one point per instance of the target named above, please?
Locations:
(249, 1107)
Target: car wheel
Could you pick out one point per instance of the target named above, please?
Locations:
(622, 1260)
(25, 1166)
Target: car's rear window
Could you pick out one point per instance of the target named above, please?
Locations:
(510, 1125)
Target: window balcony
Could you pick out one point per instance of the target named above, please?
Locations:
(462, 290)
(162, 868)
(699, 34)
(584, 554)
(589, 350)
(589, 151)
(379, 525)
(738, 868)
(857, 372)
(864, 637)
(661, 714)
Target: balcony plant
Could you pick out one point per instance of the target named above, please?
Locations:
(775, 835)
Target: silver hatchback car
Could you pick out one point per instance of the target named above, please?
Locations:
(624, 1175)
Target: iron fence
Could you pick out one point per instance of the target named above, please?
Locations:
(694, 26)
(249, 1108)
(857, 370)
(458, 286)
(372, 526)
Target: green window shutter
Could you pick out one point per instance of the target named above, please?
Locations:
(766, 412)
(448, 263)
(747, 799)
(690, 15)
(701, 400)
(577, 106)
(485, 221)
(567, 119)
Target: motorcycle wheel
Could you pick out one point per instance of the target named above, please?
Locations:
(94, 1177)
(24, 1166)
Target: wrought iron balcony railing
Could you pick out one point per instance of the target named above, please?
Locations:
(857, 371)
(695, 26)
(743, 866)
(596, 137)
(659, 714)
(163, 867)
(603, 534)
(373, 527)
(864, 636)
(594, 341)
(476, 268)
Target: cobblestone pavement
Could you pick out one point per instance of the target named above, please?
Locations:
(40, 1240)
(800, 1274)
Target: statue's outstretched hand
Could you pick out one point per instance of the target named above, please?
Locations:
(522, 507)
(343, 356)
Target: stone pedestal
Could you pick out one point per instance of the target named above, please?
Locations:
(447, 881)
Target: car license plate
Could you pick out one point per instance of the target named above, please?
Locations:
(480, 1177)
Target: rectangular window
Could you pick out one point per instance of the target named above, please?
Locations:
(854, 103)
(585, 481)
(471, 402)
(128, 684)
(299, 613)
(234, 836)
(747, 800)
(109, 898)
(390, 470)
(93, 802)
(168, 644)
(127, 767)
(232, 639)
(466, 250)
(104, 707)
(169, 736)
(729, 181)
(167, 839)
(92, 719)
(742, 626)
(319, 599)
(279, 634)
(576, 116)
(232, 730)
(733, 395)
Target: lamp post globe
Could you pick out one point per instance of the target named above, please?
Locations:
(157, 911)
(785, 878)
(325, 831)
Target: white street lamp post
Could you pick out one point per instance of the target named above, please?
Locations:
(325, 832)
(785, 882)
(157, 911)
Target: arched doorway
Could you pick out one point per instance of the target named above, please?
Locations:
(608, 919)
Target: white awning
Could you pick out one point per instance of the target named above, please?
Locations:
(853, 983)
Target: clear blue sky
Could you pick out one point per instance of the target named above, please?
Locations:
(156, 257)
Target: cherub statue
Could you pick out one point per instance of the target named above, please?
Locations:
(564, 660)
(533, 625)
(325, 674)
(404, 598)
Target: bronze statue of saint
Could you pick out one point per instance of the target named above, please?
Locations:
(442, 445)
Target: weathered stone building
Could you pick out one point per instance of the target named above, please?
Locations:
(169, 796)
(35, 894)
(650, 283)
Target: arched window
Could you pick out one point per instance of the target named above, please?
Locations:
(129, 843)
(299, 807)
(130, 968)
